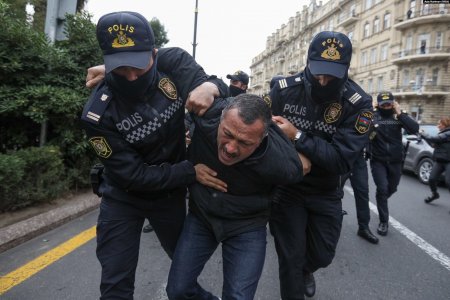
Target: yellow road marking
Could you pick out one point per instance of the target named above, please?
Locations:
(26, 271)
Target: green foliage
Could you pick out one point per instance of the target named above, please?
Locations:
(160, 33)
(30, 176)
(11, 176)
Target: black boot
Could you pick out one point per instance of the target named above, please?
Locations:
(433, 197)
(309, 284)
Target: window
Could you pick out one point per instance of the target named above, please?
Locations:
(370, 86)
(380, 84)
(408, 46)
(438, 40)
(434, 77)
(412, 7)
(364, 58)
(368, 4)
(373, 55)
(376, 25)
(350, 36)
(353, 10)
(384, 52)
(366, 30)
(387, 21)
(420, 76)
(405, 81)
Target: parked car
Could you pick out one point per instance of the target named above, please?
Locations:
(419, 152)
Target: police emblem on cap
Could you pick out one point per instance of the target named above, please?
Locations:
(122, 41)
(168, 88)
(332, 113)
(331, 52)
(100, 146)
(363, 122)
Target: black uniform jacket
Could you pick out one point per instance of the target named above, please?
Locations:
(246, 204)
(333, 132)
(441, 144)
(141, 142)
(386, 140)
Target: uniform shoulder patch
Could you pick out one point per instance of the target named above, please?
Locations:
(290, 81)
(100, 146)
(168, 88)
(352, 95)
(363, 122)
(97, 105)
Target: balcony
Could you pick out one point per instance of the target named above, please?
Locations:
(258, 71)
(421, 90)
(422, 54)
(347, 19)
(432, 15)
(280, 58)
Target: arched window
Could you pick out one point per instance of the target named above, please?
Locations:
(366, 30)
(376, 25)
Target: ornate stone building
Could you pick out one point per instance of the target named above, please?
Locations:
(402, 46)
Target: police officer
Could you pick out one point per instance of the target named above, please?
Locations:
(359, 179)
(387, 152)
(238, 83)
(134, 120)
(328, 117)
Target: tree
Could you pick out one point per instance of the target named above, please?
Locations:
(160, 33)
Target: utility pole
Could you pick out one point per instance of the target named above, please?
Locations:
(194, 44)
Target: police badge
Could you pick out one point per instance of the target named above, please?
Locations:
(168, 88)
(332, 113)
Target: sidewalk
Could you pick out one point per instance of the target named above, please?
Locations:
(24, 225)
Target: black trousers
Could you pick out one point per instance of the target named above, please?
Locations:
(359, 179)
(438, 168)
(386, 176)
(306, 231)
(119, 229)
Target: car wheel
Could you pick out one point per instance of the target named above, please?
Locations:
(424, 169)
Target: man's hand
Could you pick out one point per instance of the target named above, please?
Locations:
(207, 177)
(306, 163)
(201, 98)
(289, 130)
(95, 75)
(396, 108)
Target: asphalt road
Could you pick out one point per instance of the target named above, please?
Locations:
(412, 262)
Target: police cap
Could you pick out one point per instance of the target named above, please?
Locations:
(330, 53)
(239, 76)
(126, 39)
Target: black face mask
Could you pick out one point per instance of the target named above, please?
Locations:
(132, 89)
(386, 112)
(234, 91)
(325, 93)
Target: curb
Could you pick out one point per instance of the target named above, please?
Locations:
(15, 234)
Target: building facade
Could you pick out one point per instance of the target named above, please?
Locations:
(402, 46)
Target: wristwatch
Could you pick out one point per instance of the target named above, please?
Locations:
(297, 135)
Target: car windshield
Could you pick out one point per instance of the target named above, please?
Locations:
(429, 129)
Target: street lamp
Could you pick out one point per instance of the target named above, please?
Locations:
(194, 44)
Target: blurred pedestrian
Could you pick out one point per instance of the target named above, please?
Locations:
(238, 83)
(387, 152)
(441, 157)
